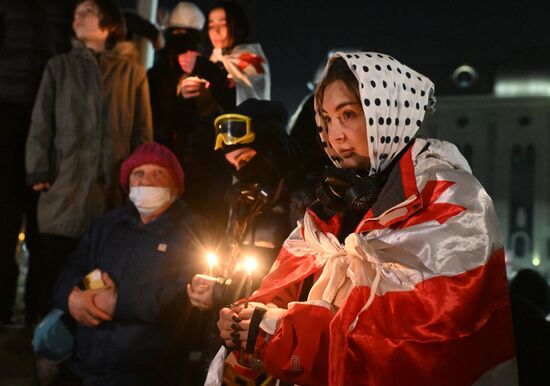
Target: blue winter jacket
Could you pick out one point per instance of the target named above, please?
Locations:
(144, 344)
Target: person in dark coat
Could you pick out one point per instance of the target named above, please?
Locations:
(184, 124)
(131, 330)
(91, 111)
(173, 116)
(30, 33)
(255, 146)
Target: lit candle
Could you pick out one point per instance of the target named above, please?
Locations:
(250, 266)
(211, 259)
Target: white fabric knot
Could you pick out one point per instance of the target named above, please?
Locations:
(345, 266)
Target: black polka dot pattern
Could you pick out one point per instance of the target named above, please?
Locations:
(394, 101)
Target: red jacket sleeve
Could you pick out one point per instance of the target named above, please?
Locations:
(298, 351)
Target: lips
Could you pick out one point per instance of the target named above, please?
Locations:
(346, 153)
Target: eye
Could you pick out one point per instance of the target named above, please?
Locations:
(326, 119)
(348, 114)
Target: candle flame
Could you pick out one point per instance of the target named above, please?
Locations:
(250, 264)
(211, 258)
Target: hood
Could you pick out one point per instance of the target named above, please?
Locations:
(394, 98)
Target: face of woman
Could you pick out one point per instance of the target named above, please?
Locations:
(86, 23)
(217, 28)
(347, 128)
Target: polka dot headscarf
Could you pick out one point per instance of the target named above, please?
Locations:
(394, 98)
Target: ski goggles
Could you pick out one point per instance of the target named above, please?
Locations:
(233, 129)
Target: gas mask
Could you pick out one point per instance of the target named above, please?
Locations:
(256, 186)
(261, 171)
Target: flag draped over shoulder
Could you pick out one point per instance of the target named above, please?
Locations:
(418, 292)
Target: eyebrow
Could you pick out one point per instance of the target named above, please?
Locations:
(342, 105)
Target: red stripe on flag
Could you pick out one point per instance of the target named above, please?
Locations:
(248, 59)
(449, 330)
(408, 177)
(283, 284)
(437, 211)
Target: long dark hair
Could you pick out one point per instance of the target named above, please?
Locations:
(238, 28)
(110, 18)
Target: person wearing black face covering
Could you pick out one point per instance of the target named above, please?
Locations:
(172, 115)
(254, 142)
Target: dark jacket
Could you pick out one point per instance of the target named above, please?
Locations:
(175, 118)
(150, 265)
(88, 116)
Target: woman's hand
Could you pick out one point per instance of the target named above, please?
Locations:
(190, 87)
(200, 291)
(234, 324)
(187, 61)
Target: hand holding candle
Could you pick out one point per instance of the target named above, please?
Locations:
(200, 291)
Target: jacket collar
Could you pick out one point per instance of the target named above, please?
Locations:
(399, 199)
(79, 49)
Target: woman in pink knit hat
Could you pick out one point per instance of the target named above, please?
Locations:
(130, 331)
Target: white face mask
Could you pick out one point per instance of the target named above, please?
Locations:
(148, 199)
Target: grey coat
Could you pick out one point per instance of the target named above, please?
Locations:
(88, 116)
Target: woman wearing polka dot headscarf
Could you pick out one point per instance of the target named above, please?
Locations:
(402, 251)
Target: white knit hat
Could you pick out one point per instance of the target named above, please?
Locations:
(186, 15)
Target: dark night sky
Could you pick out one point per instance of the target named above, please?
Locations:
(433, 37)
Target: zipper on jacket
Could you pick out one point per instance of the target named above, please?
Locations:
(408, 201)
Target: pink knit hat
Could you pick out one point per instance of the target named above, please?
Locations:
(152, 153)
